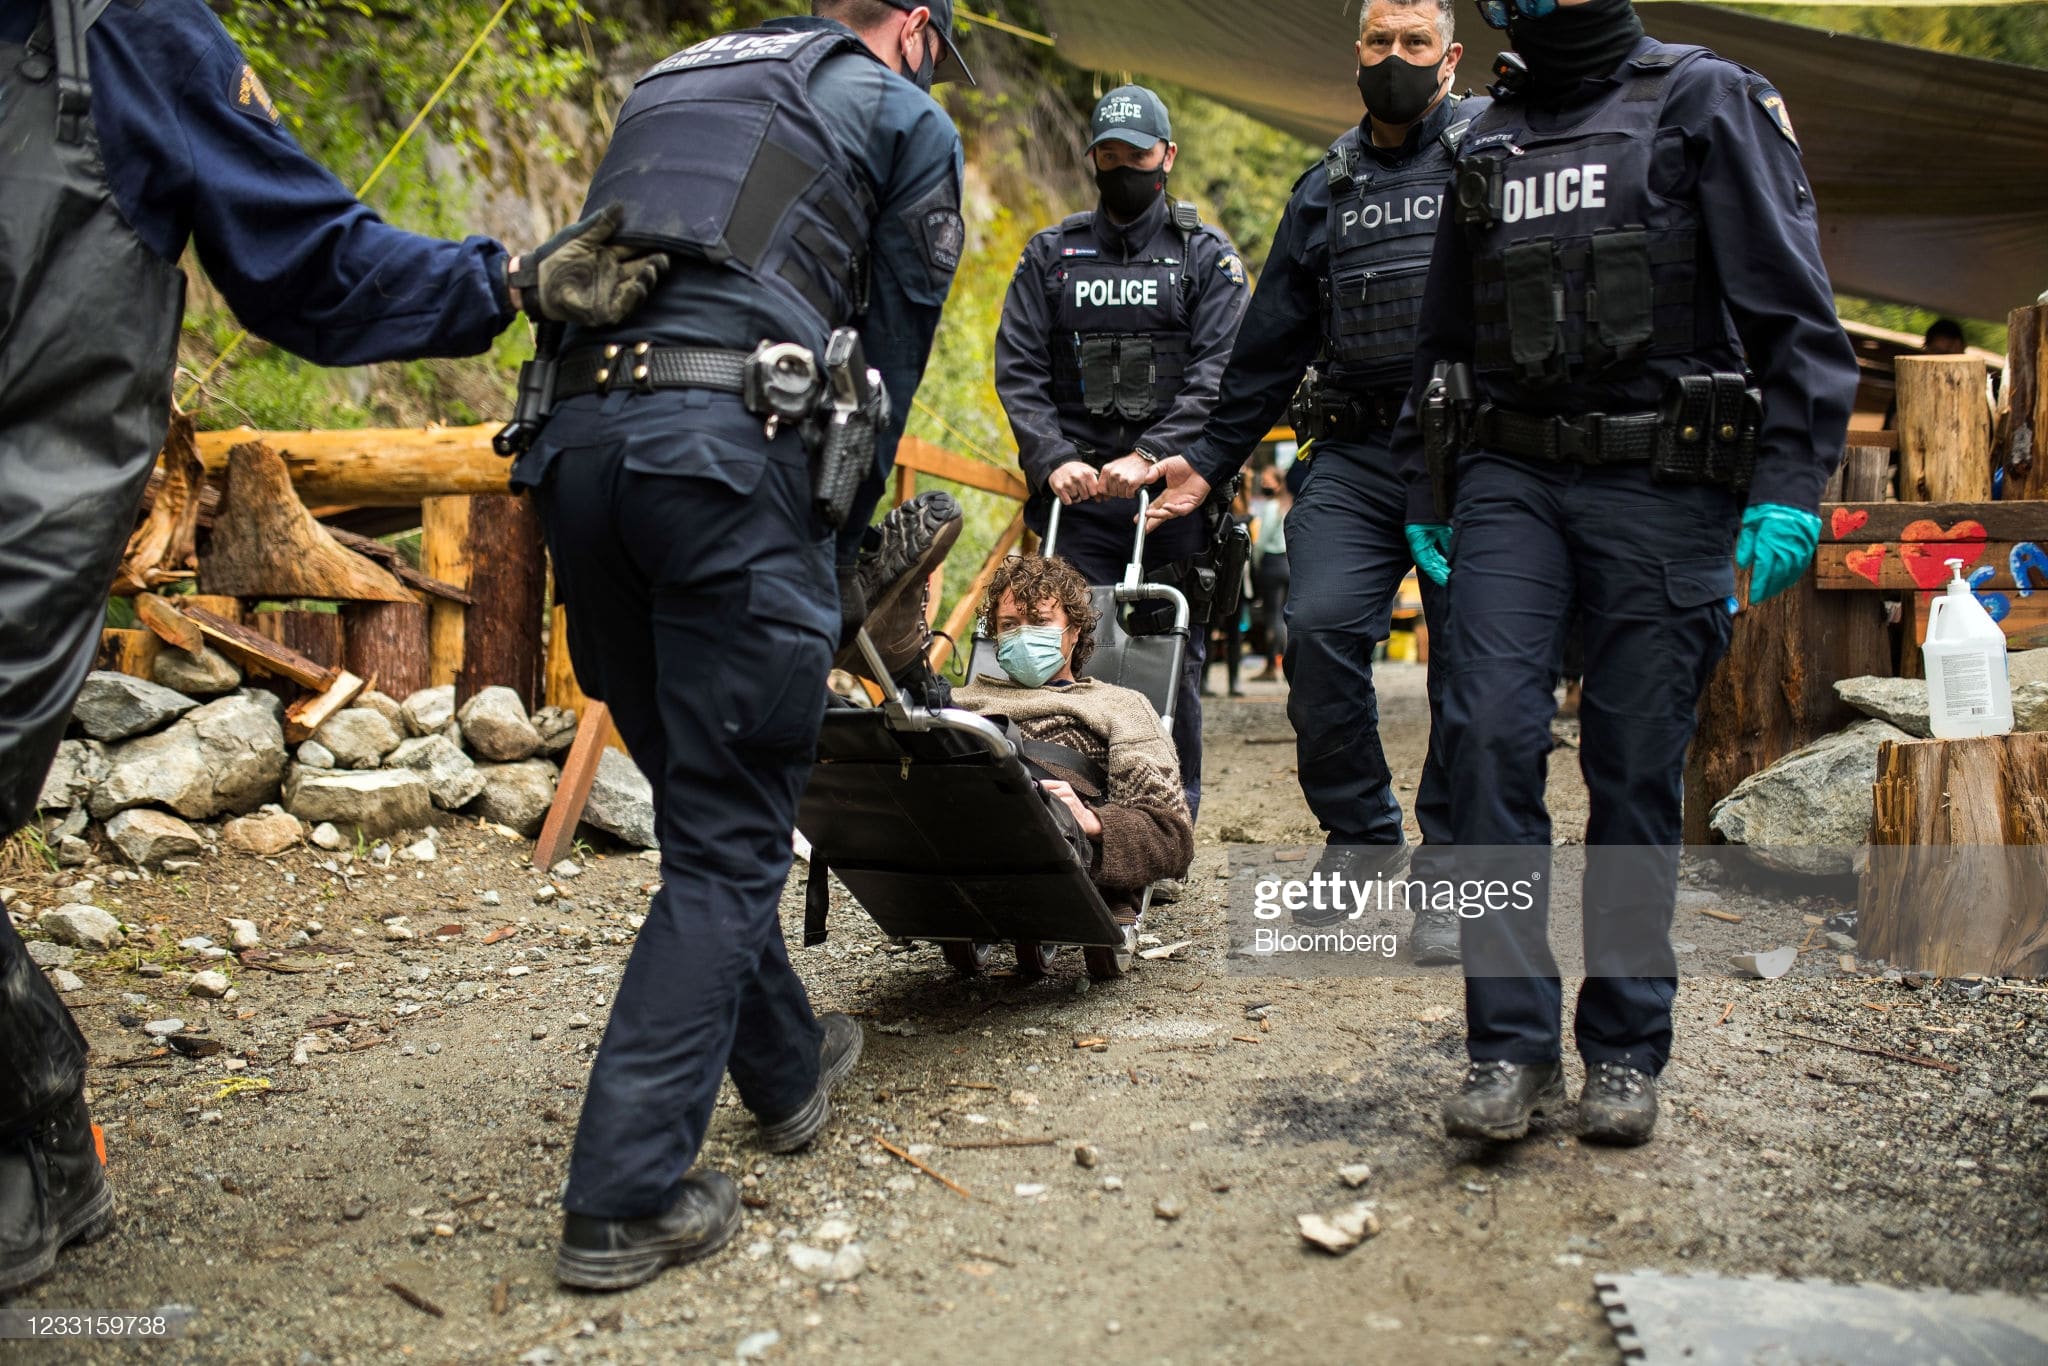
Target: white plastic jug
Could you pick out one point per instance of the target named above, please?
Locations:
(1968, 691)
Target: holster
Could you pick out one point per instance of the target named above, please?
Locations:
(536, 393)
(1213, 580)
(842, 436)
(1445, 416)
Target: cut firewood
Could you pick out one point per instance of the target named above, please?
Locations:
(252, 651)
(170, 625)
(127, 652)
(161, 550)
(309, 713)
(266, 545)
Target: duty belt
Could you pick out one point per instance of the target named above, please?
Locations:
(643, 368)
(1595, 439)
(1353, 417)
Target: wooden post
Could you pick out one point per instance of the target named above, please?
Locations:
(386, 643)
(316, 635)
(1978, 906)
(444, 553)
(1944, 430)
(906, 484)
(2026, 399)
(1866, 475)
(130, 652)
(508, 582)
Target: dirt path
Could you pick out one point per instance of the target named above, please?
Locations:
(425, 1149)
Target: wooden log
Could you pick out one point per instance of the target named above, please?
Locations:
(257, 652)
(1775, 690)
(507, 559)
(163, 548)
(316, 635)
(1944, 430)
(962, 621)
(171, 626)
(373, 467)
(444, 553)
(2026, 402)
(572, 793)
(1878, 437)
(265, 543)
(386, 644)
(130, 652)
(1981, 904)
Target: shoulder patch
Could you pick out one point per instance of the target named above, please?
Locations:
(1232, 266)
(945, 237)
(1774, 105)
(251, 98)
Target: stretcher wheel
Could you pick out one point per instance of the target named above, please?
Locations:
(1106, 964)
(1035, 959)
(969, 960)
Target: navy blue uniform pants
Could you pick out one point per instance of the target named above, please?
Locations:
(1652, 570)
(704, 617)
(1347, 554)
(1096, 538)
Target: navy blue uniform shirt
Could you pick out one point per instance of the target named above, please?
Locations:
(1720, 147)
(1285, 329)
(195, 151)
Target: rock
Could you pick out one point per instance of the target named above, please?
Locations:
(1809, 812)
(453, 781)
(114, 706)
(2039, 1095)
(1168, 1207)
(387, 707)
(158, 1029)
(557, 729)
(567, 868)
(267, 832)
(209, 984)
(358, 737)
(373, 803)
(79, 893)
(85, 927)
(148, 837)
(325, 836)
(208, 673)
(44, 954)
(1355, 1175)
(80, 766)
(243, 934)
(64, 980)
(827, 1267)
(227, 756)
(1901, 701)
(313, 754)
(419, 851)
(1031, 1190)
(1773, 964)
(429, 709)
(495, 727)
(71, 851)
(1337, 1233)
(2030, 705)
(2027, 666)
(1086, 1155)
(621, 801)
(516, 795)
(398, 927)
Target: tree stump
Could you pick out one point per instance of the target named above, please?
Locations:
(386, 643)
(316, 635)
(1958, 876)
(266, 544)
(1944, 430)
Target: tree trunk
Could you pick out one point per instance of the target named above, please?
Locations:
(316, 635)
(266, 545)
(386, 644)
(1958, 874)
(2026, 453)
(1944, 430)
(508, 583)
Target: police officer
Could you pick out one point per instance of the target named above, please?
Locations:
(807, 189)
(1114, 335)
(127, 131)
(1343, 288)
(1632, 225)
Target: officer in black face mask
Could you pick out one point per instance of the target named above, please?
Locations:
(1342, 288)
(1113, 338)
(1632, 276)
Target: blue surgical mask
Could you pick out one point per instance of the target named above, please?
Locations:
(1031, 654)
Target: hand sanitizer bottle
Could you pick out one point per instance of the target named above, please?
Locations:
(1968, 692)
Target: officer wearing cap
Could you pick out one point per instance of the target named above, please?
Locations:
(1114, 335)
(806, 188)
(1342, 290)
(128, 132)
(1632, 229)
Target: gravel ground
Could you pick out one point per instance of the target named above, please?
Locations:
(425, 1147)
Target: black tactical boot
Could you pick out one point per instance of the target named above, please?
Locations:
(1433, 941)
(1351, 864)
(53, 1192)
(836, 1057)
(890, 579)
(617, 1254)
(1497, 1099)
(1619, 1105)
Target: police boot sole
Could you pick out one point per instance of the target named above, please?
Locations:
(628, 1267)
(88, 1223)
(796, 1132)
(1615, 1130)
(1507, 1131)
(1437, 956)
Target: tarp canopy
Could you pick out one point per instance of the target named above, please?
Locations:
(1931, 171)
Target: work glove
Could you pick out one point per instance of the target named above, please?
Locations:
(1430, 544)
(577, 276)
(1776, 546)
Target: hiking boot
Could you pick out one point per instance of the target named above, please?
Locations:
(1619, 1105)
(1433, 942)
(1351, 863)
(836, 1057)
(891, 580)
(617, 1254)
(1497, 1099)
(53, 1192)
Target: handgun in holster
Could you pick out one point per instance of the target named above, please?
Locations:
(1445, 415)
(536, 393)
(853, 421)
(1305, 411)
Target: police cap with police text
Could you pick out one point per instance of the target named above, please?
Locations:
(952, 66)
(1133, 114)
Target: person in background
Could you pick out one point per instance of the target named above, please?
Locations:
(1269, 566)
(1944, 338)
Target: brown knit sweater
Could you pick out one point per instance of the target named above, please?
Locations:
(1146, 832)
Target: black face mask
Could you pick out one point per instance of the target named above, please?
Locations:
(1396, 90)
(1575, 43)
(1127, 191)
(927, 70)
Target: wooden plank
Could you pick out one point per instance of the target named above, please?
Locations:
(1921, 565)
(2025, 623)
(917, 454)
(1865, 522)
(572, 793)
(962, 621)
(168, 622)
(310, 712)
(906, 484)
(375, 467)
(221, 605)
(1874, 436)
(562, 689)
(252, 651)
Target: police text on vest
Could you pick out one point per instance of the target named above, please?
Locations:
(1562, 191)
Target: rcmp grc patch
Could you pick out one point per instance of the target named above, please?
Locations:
(1774, 104)
(945, 236)
(1232, 267)
(251, 98)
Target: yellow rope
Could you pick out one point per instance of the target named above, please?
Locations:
(963, 438)
(476, 44)
(1004, 26)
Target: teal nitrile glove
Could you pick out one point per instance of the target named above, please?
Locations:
(1430, 544)
(1776, 546)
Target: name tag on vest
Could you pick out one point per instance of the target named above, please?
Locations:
(1566, 190)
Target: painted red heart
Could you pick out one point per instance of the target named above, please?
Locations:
(1926, 549)
(1868, 563)
(1847, 520)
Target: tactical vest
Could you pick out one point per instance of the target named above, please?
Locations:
(1120, 330)
(1579, 270)
(1382, 226)
(722, 158)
